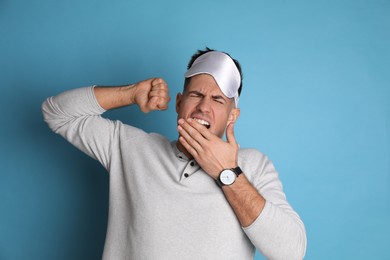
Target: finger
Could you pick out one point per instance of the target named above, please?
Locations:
(159, 84)
(189, 139)
(153, 103)
(200, 128)
(161, 87)
(158, 99)
(163, 103)
(230, 138)
(159, 93)
(188, 147)
(157, 81)
(193, 132)
(160, 90)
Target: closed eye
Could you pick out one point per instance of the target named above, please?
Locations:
(195, 94)
(219, 99)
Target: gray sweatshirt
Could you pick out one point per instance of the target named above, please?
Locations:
(163, 205)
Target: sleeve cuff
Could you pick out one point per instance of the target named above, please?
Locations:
(94, 102)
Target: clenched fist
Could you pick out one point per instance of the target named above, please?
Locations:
(151, 94)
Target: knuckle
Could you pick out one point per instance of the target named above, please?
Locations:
(157, 80)
(191, 141)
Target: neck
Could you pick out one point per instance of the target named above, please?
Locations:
(183, 150)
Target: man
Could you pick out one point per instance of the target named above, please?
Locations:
(199, 197)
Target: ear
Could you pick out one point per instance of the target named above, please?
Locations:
(178, 101)
(233, 116)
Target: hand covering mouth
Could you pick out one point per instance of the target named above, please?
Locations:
(202, 122)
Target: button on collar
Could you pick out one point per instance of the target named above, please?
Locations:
(181, 156)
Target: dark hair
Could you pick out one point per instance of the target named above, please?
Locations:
(206, 50)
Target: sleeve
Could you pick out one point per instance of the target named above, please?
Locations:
(76, 116)
(278, 232)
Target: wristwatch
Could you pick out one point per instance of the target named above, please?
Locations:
(228, 176)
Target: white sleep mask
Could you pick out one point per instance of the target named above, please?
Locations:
(222, 68)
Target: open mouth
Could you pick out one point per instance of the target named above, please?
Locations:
(202, 122)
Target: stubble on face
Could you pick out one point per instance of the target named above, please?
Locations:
(203, 101)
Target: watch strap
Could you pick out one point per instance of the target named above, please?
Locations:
(219, 182)
(237, 170)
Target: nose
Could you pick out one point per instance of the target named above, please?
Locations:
(204, 105)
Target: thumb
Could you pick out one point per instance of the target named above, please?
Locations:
(230, 133)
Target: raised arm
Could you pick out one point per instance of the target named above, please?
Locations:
(76, 114)
(151, 94)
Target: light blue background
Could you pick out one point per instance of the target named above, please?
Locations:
(316, 100)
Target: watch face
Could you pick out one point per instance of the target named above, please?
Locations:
(227, 177)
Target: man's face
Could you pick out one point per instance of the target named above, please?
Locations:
(204, 101)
